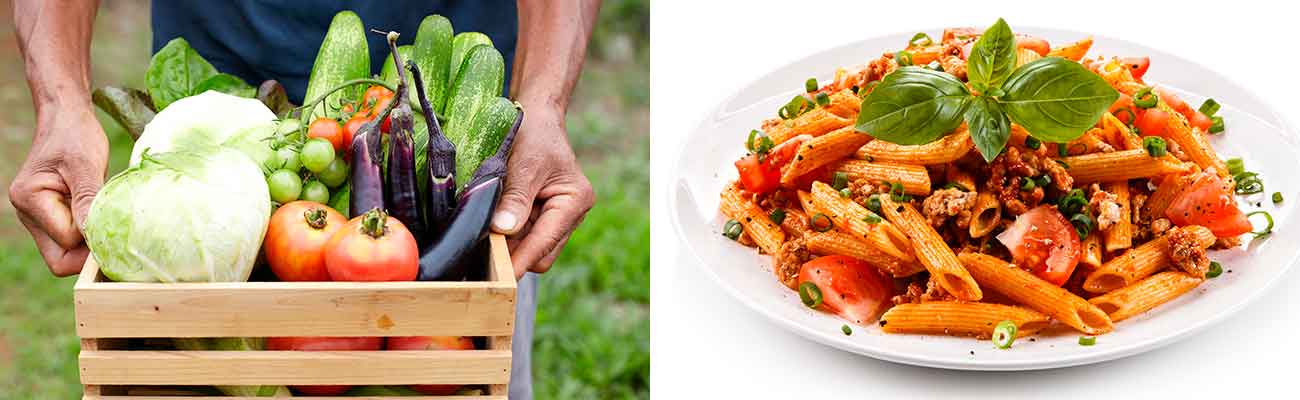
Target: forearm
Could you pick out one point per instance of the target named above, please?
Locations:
(54, 39)
(548, 58)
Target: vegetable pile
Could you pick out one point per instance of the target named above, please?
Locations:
(389, 177)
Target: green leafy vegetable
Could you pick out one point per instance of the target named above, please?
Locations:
(228, 84)
(174, 72)
(989, 127)
(992, 58)
(1056, 99)
(913, 105)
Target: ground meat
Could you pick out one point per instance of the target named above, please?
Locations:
(946, 203)
(882, 66)
(911, 296)
(787, 261)
(1006, 171)
(1173, 148)
(1186, 253)
(1104, 205)
(952, 62)
(1159, 227)
(1135, 203)
(914, 293)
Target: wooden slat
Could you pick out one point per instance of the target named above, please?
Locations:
(502, 271)
(259, 309)
(143, 367)
(89, 345)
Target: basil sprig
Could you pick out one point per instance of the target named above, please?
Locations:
(1054, 99)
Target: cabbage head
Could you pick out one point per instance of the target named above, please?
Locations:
(209, 119)
(187, 216)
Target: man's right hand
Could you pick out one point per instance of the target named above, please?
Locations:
(53, 190)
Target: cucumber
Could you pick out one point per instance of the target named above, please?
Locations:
(487, 128)
(433, 45)
(460, 48)
(389, 72)
(343, 56)
(479, 82)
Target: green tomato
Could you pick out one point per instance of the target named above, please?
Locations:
(285, 186)
(316, 154)
(287, 126)
(315, 191)
(286, 158)
(334, 174)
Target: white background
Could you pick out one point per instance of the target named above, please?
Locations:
(707, 345)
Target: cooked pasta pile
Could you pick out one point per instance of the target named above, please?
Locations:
(933, 239)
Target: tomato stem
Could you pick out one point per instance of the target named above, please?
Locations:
(373, 223)
(315, 218)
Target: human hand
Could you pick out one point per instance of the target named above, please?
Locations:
(546, 195)
(53, 190)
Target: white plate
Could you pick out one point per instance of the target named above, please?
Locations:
(1256, 133)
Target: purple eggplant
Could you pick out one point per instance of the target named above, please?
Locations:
(367, 180)
(441, 200)
(451, 256)
(400, 194)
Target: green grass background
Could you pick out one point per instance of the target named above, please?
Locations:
(593, 328)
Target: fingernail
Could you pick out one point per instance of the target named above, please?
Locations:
(504, 221)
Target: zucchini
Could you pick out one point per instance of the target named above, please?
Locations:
(432, 54)
(488, 129)
(460, 48)
(343, 56)
(478, 83)
(389, 72)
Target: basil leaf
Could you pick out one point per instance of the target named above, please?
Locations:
(174, 72)
(913, 105)
(1056, 99)
(989, 127)
(226, 83)
(992, 58)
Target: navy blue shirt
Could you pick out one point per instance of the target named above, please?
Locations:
(259, 40)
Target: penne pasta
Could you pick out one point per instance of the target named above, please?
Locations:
(1169, 189)
(1074, 51)
(960, 319)
(1091, 250)
(1120, 234)
(1193, 143)
(933, 252)
(817, 122)
(1140, 262)
(1145, 294)
(851, 218)
(986, 214)
(948, 149)
(958, 177)
(1026, 56)
(845, 103)
(914, 178)
(1027, 289)
(756, 222)
(837, 243)
(822, 150)
(1119, 166)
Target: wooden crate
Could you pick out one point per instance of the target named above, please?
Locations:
(110, 314)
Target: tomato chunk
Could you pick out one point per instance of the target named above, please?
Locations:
(762, 176)
(1124, 102)
(1208, 202)
(1174, 101)
(850, 287)
(1137, 66)
(1200, 121)
(1152, 122)
(1042, 241)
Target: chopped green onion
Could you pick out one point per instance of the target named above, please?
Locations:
(871, 219)
(1043, 180)
(904, 58)
(732, 229)
(1026, 184)
(896, 192)
(810, 294)
(1277, 197)
(1267, 229)
(1248, 183)
(824, 226)
(810, 85)
(1082, 224)
(777, 216)
(1072, 203)
(1062, 150)
(1131, 116)
(1215, 270)
(1209, 107)
(1087, 340)
(846, 193)
(796, 107)
(1004, 334)
(920, 39)
(955, 185)
(846, 329)
(1145, 98)
(823, 99)
(934, 66)
(1216, 124)
(1236, 166)
(1155, 146)
(840, 180)
(762, 145)
(1032, 143)
(873, 203)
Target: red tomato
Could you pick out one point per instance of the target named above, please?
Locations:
(374, 94)
(1208, 202)
(432, 343)
(1174, 102)
(323, 344)
(1124, 102)
(329, 129)
(1045, 243)
(1038, 45)
(764, 176)
(1137, 66)
(350, 129)
(1152, 122)
(850, 287)
(1200, 121)
(372, 247)
(296, 237)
